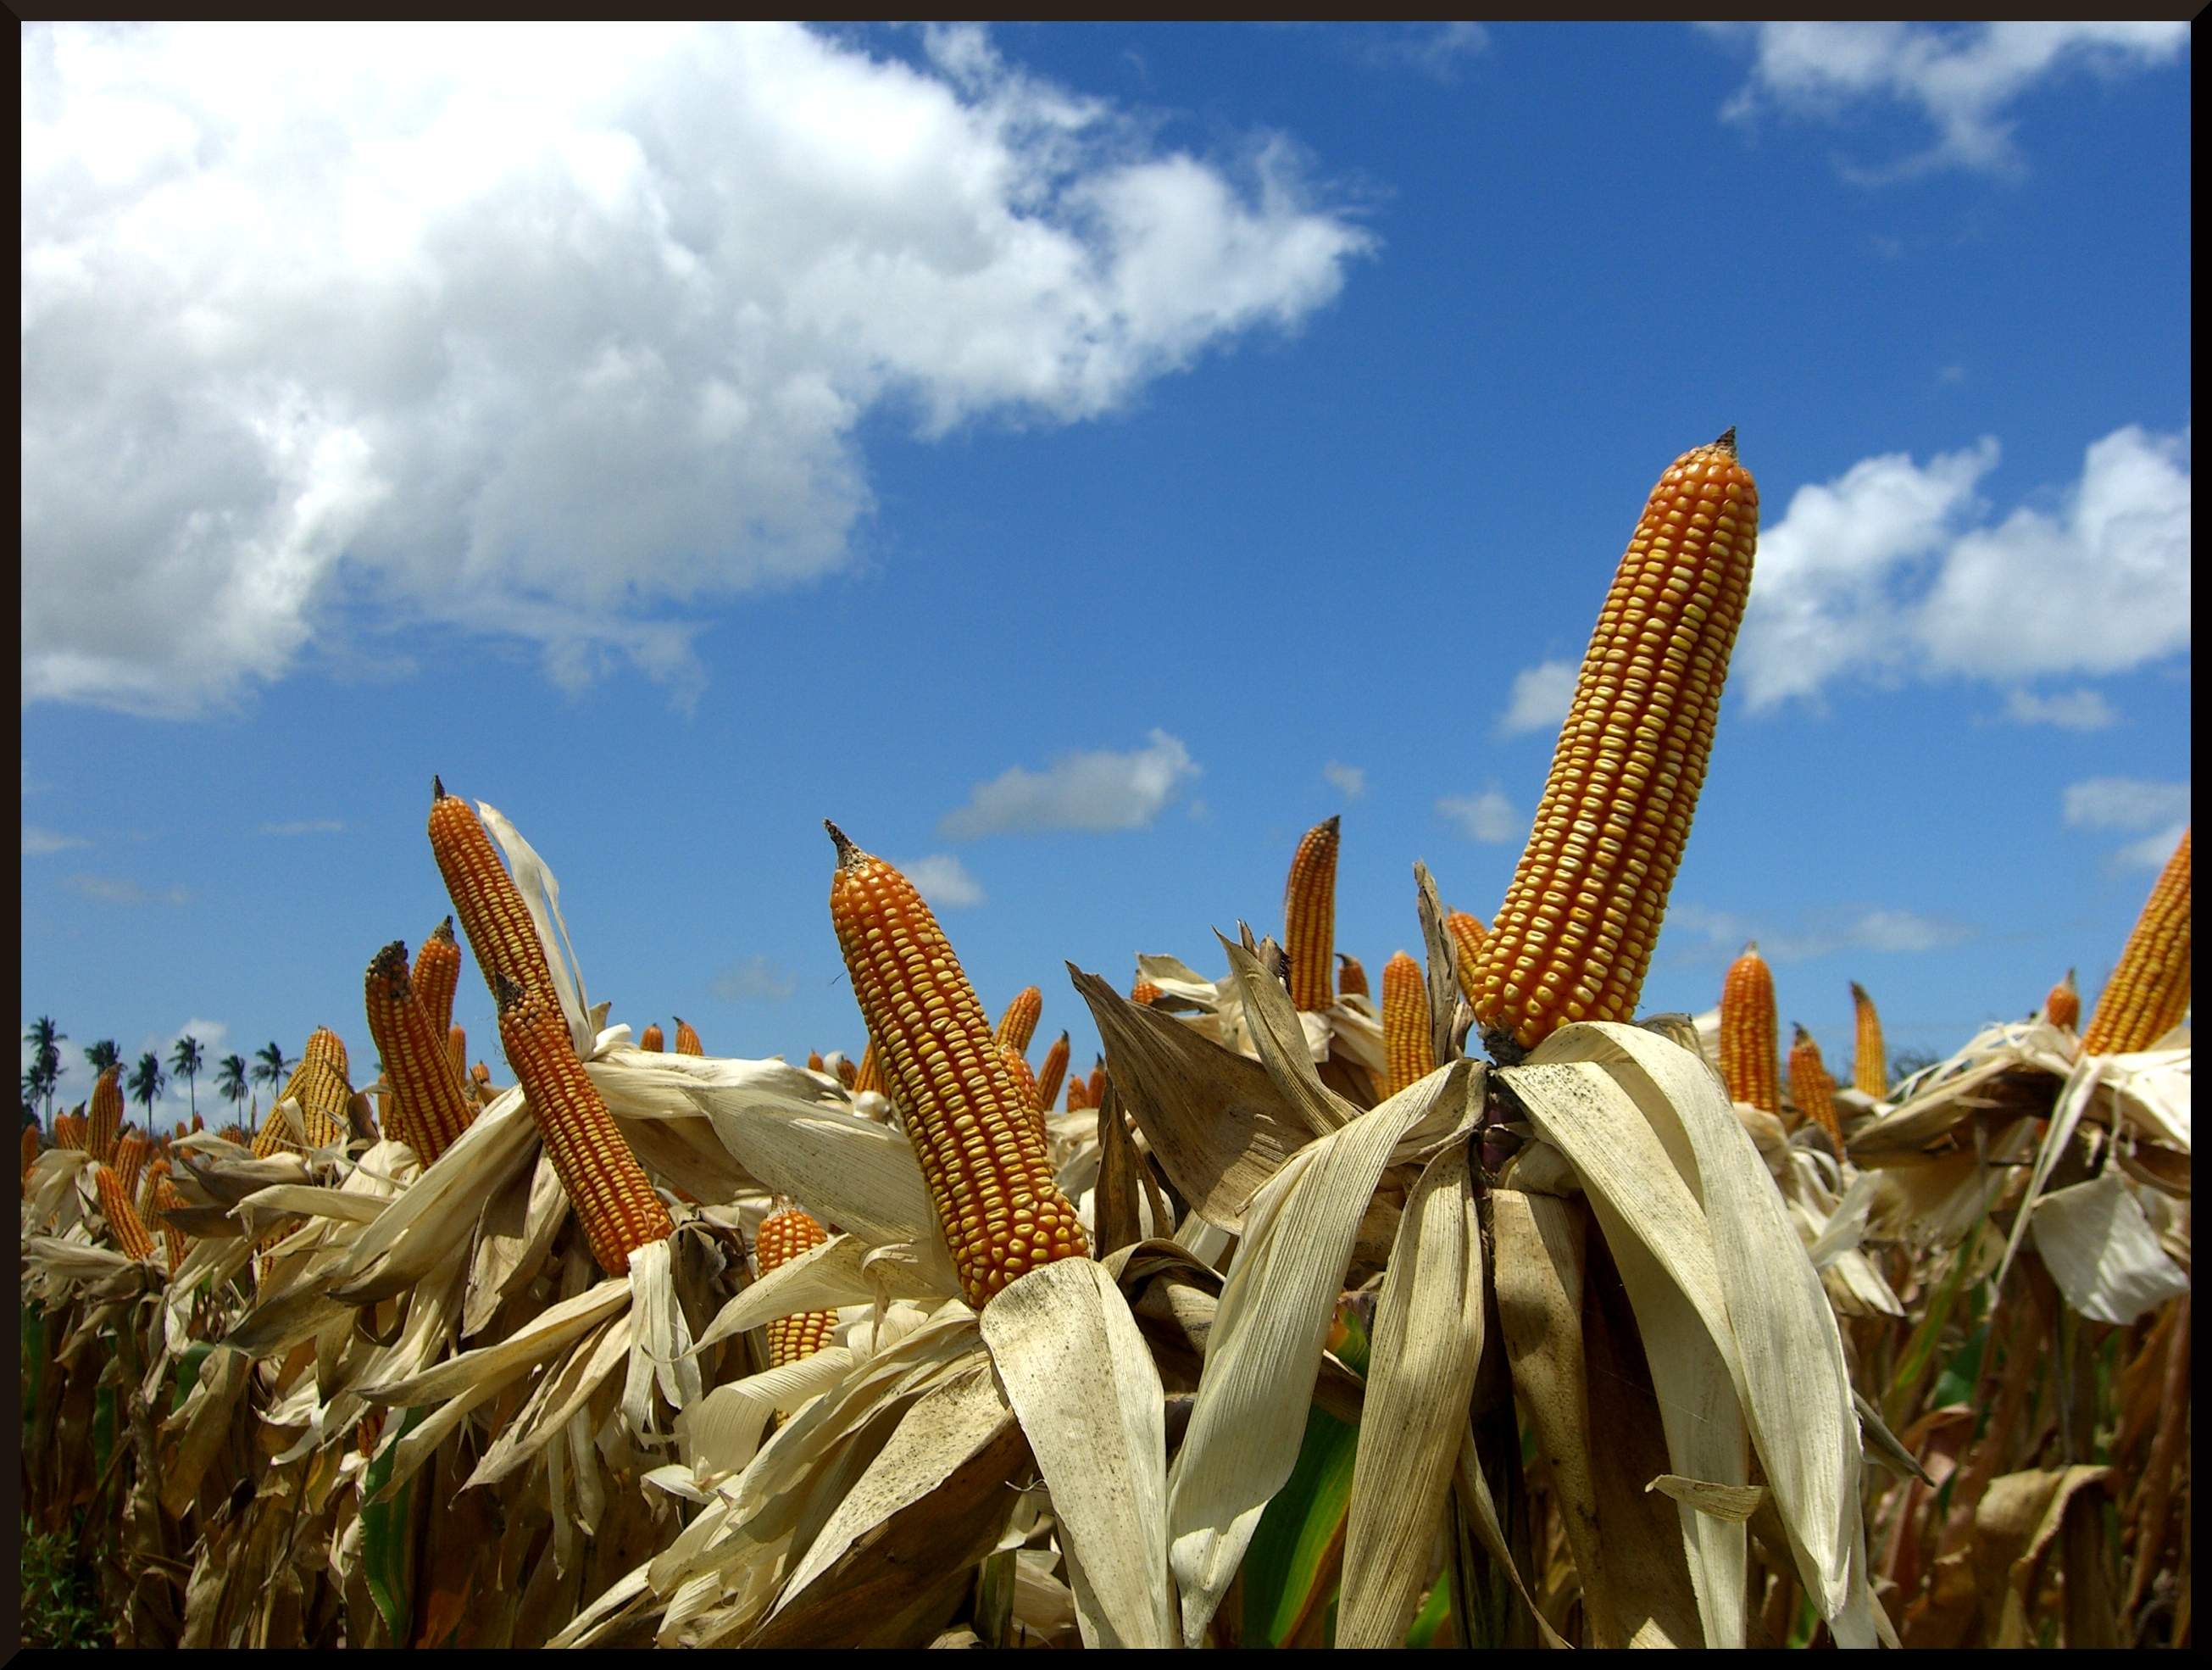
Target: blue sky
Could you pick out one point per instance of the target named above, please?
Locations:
(1077, 460)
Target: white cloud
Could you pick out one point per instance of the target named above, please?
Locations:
(1541, 695)
(2129, 803)
(1097, 791)
(1846, 929)
(1488, 816)
(2069, 710)
(1963, 78)
(39, 842)
(943, 881)
(1884, 571)
(1435, 49)
(1350, 781)
(304, 826)
(565, 334)
(110, 890)
(2151, 852)
(754, 980)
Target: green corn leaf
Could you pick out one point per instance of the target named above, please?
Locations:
(384, 1535)
(1294, 1552)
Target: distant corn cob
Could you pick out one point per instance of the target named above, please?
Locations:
(1575, 935)
(168, 1197)
(105, 1123)
(1310, 918)
(1144, 992)
(1079, 1097)
(870, 1076)
(149, 1187)
(2149, 992)
(814, 1062)
(124, 1225)
(198, 1125)
(319, 1083)
(848, 1072)
(436, 975)
(429, 1108)
(1408, 1050)
(687, 1040)
(784, 1234)
(500, 934)
(1094, 1092)
(30, 1154)
(986, 1168)
(1748, 1038)
(1467, 934)
(2063, 1006)
(69, 1131)
(1048, 1077)
(1018, 1024)
(131, 1151)
(457, 1052)
(480, 1076)
(1351, 977)
(601, 1177)
(236, 1133)
(650, 1039)
(1868, 1075)
(1810, 1085)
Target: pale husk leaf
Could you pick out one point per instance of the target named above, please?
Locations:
(2101, 1251)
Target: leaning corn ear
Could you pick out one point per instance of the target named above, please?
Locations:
(687, 1040)
(429, 1108)
(1408, 1049)
(1748, 1037)
(1018, 1024)
(124, 1225)
(437, 975)
(105, 1123)
(501, 934)
(1049, 1075)
(1811, 1086)
(1869, 1074)
(1310, 916)
(2149, 992)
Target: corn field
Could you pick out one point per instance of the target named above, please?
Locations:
(1488, 1311)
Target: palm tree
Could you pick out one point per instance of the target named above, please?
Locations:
(270, 1065)
(188, 1059)
(146, 1083)
(102, 1055)
(46, 1040)
(230, 1079)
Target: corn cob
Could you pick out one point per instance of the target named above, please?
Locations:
(1310, 918)
(1144, 992)
(2149, 992)
(985, 1166)
(814, 1062)
(687, 1040)
(30, 1155)
(125, 1227)
(1018, 1026)
(1408, 1050)
(2063, 1006)
(604, 1182)
(480, 1076)
(1810, 1085)
(429, 1108)
(650, 1039)
(1467, 934)
(437, 974)
(1079, 1097)
(457, 1052)
(870, 1074)
(1748, 1041)
(150, 1185)
(235, 1133)
(848, 1072)
(1868, 1075)
(106, 1121)
(198, 1125)
(131, 1151)
(168, 1197)
(319, 1083)
(1351, 977)
(1575, 935)
(1026, 1086)
(69, 1131)
(1048, 1077)
(784, 1234)
(500, 934)
(1094, 1092)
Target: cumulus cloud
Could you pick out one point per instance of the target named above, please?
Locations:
(565, 334)
(944, 881)
(1893, 570)
(2128, 803)
(1438, 51)
(1488, 816)
(111, 890)
(39, 842)
(754, 980)
(1541, 697)
(1858, 928)
(1097, 791)
(2069, 710)
(2151, 852)
(1350, 781)
(304, 826)
(1964, 79)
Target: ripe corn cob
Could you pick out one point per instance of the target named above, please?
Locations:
(1094, 1092)
(319, 1084)
(1869, 1074)
(437, 974)
(131, 1151)
(2149, 992)
(814, 1062)
(985, 1166)
(870, 1074)
(848, 1072)
(1575, 935)
(784, 1234)
(1810, 1085)
(1408, 1050)
(150, 1185)
(500, 936)
(1018, 1026)
(124, 1228)
(2063, 1006)
(604, 1182)
(480, 1077)
(457, 1052)
(235, 1133)
(1078, 1095)
(30, 1155)
(1026, 1086)
(1048, 1077)
(429, 1108)
(1467, 934)
(198, 1125)
(1310, 918)
(687, 1041)
(69, 1131)
(1748, 1039)
(168, 1197)
(1351, 977)
(650, 1039)
(1144, 992)
(106, 1122)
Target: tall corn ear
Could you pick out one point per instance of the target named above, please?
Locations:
(167, 1198)
(870, 1076)
(2149, 992)
(2062, 1005)
(1351, 977)
(429, 1107)
(131, 1151)
(1094, 1089)
(1408, 1048)
(1749, 1039)
(687, 1040)
(613, 1201)
(1869, 1073)
(1467, 934)
(987, 1167)
(1811, 1086)
(784, 1234)
(69, 1131)
(497, 923)
(1018, 1026)
(1049, 1075)
(148, 1188)
(650, 1039)
(437, 975)
(1574, 938)
(319, 1083)
(124, 1228)
(105, 1123)
(1310, 916)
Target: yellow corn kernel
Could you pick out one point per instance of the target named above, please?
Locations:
(1310, 918)
(1810, 1085)
(1018, 1024)
(2149, 992)
(1748, 1037)
(784, 1234)
(1144, 992)
(2062, 1007)
(429, 1108)
(1574, 938)
(1408, 1049)
(987, 1170)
